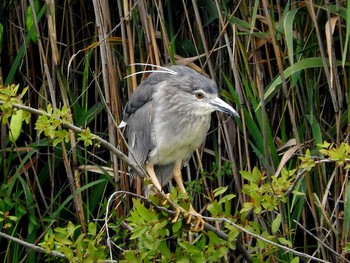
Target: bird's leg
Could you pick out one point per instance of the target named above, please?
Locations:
(191, 212)
(154, 180)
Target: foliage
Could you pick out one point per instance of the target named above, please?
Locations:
(77, 247)
(9, 96)
(51, 125)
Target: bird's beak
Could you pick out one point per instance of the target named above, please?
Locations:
(222, 106)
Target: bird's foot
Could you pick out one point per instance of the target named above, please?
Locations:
(167, 197)
(192, 215)
(176, 215)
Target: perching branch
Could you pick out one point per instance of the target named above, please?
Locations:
(31, 246)
(40, 249)
(207, 226)
(136, 168)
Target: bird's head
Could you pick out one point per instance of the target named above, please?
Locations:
(187, 90)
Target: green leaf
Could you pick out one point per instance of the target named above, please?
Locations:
(139, 232)
(297, 193)
(214, 208)
(68, 253)
(63, 240)
(176, 227)
(247, 207)
(295, 260)
(165, 251)
(285, 242)
(159, 227)
(226, 198)
(183, 260)
(276, 223)
(220, 190)
(190, 248)
(257, 210)
(30, 20)
(22, 51)
(92, 230)
(315, 127)
(71, 229)
(253, 177)
(130, 257)
(315, 62)
(288, 30)
(347, 211)
(16, 125)
(213, 238)
(144, 213)
(346, 248)
(261, 244)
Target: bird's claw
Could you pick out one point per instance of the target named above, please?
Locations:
(193, 215)
(165, 201)
(176, 215)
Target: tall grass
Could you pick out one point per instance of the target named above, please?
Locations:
(283, 65)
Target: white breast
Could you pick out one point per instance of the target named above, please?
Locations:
(179, 143)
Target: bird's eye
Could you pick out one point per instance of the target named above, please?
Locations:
(199, 95)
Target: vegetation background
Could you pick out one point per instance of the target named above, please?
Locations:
(273, 184)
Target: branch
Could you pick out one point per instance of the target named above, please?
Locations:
(31, 246)
(207, 226)
(40, 249)
(321, 242)
(219, 233)
(293, 251)
(135, 167)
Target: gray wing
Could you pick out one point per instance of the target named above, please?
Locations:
(138, 132)
(138, 114)
(142, 95)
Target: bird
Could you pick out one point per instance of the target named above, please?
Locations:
(167, 118)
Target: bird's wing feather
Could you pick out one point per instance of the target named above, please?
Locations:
(142, 95)
(138, 131)
(138, 114)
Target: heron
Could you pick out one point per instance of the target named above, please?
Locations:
(167, 118)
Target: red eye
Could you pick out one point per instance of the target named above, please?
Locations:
(199, 95)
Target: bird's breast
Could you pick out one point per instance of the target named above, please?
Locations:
(175, 139)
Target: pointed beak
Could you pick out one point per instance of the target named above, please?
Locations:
(222, 106)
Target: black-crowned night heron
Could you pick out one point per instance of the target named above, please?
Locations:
(167, 119)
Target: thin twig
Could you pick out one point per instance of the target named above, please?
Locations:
(295, 252)
(31, 246)
(321, 242)
(40, 249)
